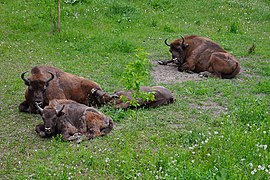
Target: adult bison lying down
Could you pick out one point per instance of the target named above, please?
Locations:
(162, 96)
(47, 83)
(74, 121)
(202, 55)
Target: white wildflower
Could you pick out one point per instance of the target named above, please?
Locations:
(260, 167)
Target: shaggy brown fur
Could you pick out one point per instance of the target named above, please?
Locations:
(73, 120)
(162, 96)
(47, 83)
(202, 55)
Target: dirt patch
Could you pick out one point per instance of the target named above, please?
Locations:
(170, 74)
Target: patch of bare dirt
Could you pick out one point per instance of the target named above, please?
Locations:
(170, 74)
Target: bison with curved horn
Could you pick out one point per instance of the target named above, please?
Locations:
(202, 55)
(47, 83)
(74, 121)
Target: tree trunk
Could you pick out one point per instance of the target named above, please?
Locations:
(58, 17)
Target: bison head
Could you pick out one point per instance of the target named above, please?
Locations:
(36, 87)
(177, 49)
(50, 118)
(102, 97)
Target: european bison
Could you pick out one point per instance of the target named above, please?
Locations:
(202, 55)
(74, 121)
(162, 96)
(47, 83)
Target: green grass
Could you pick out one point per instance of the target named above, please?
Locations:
(217, 129)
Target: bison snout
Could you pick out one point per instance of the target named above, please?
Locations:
(175, 60)
(39, 103)
(48, 130)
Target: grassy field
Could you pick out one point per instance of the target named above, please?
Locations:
(216, 129)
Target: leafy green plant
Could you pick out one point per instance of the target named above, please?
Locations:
(136, 73)
(235, 27)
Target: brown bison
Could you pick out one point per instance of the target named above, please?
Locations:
(202, 55)
(162, 96)
(47, 83)
(74, 121)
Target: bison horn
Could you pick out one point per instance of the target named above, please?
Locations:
(166, 42)
(51, 78)
(183, 39)
(114, 96)
(26, 81)
(39, 108)
(58, 112)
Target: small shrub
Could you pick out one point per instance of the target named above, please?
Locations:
(135, 74)
(235, 27)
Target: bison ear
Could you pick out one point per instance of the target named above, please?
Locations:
(184, 46)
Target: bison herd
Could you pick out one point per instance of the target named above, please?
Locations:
(67, 103)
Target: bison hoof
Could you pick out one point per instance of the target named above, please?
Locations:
(75, 136)
(204, 74)
(42, 134)
(180, 69)
(162, 63)
(80, 139)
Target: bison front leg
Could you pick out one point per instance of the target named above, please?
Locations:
(40, 129)
(188, 66)
(24, 107)
(165, 62)
(70, 134)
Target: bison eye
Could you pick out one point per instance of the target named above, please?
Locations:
(30, 88)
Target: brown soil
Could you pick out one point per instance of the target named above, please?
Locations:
(170, 74)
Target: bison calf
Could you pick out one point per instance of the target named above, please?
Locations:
(202, 55)
(47, 83)
(74, 121)
(162, 96)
